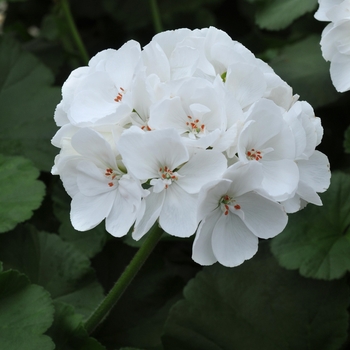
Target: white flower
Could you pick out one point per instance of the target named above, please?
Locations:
(234, 216)
(100, 93)
(98, 185)
(175, 178)
(325, 7)
(146, 136)
(266, 139)
(335, 43)
(314, 168)
(195, 110)
(314, 178)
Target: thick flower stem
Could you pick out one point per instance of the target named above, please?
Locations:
(73, 29)
(124, 280)
(157, 23)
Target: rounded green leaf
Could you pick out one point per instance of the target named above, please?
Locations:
(26, 312)
(317, 239)
(258, 306)
(277, 14)
(27, 104)
(68, 331)
(20, 191)
(53, 264)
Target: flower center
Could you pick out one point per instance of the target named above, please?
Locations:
(120, 95)
(226, 202)
(168, 176)
(112, 177)
(195, 126)
(254, 154)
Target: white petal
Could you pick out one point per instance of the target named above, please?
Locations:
(92, 145)
(60, 115)
(324, 7)
(202, 251)
(262, 216)
(308, 194)
(183, 61)
(340, 67)
(315, 171)
(91, 180)
(168, 113)
(121, 217)
(292, 205)
(264, 122)
(64, 133)
(247, 82)
(210, 196)
(179, 213)
(131, 190)
(144, 153)
(232, 241)
(154, 204)
(121, 66)
(203, 166)
(281, 178)
(156, 61)
(94, 101)
(87, 212)
(245, 177)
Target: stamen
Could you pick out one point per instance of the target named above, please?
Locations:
(226, 202)
(254, 154)
(111, 175)
(168, 176)
(120, 95)
(195, 126)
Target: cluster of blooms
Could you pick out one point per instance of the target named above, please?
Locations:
(335, 43)
(194, 132)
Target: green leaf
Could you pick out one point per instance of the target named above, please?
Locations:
(68, 331)
(317, 240)
(347, 140)
(20, 191)
(258, 306)
(27, 104)
(88, 242)
(277, 14)
(302, 66)
(26, 312)
(53, 264)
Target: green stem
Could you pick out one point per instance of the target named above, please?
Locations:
(73, 29)
(124, 280)
(157, 23)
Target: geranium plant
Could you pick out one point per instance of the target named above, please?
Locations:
(187, 176)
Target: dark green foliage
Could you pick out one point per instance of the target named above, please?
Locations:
(26, 312)
(258, 306)
(317, 239)
(20, 191)
(27, 103)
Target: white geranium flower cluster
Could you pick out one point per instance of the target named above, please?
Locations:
(194, 132)
(335, 41)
